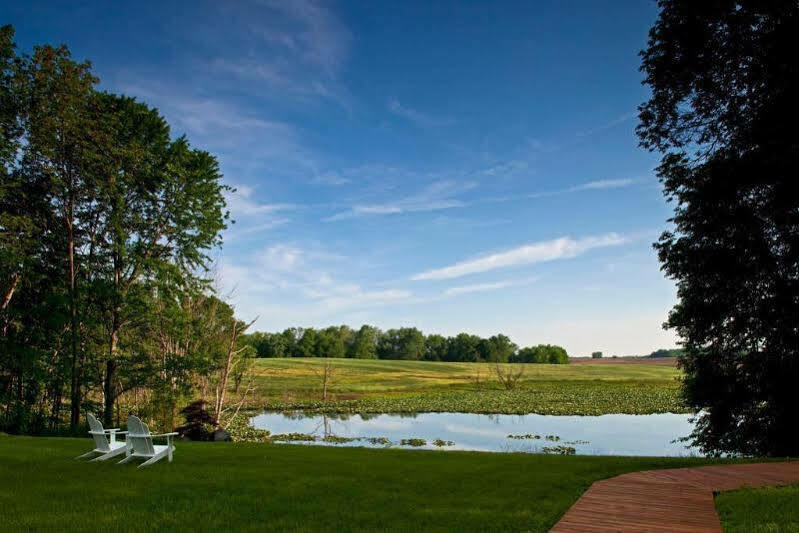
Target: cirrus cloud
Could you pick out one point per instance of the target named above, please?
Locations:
(537, 252)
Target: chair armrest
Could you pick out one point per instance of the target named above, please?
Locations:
(120, 432)
(111, 430)
(165, 435)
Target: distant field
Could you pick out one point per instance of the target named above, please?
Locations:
(409, 386)
(664, 361)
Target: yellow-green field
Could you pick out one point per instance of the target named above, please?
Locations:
(405, 386)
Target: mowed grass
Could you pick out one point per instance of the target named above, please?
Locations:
(409, 386)
(770, 509)
(242, 486)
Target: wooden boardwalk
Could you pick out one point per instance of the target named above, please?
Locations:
(678, 499)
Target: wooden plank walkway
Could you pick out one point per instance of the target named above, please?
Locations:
(678, 499)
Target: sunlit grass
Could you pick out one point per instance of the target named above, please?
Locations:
(241, 487)
(769, 509)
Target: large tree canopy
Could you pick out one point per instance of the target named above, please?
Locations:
(106, 224)
(723, 112)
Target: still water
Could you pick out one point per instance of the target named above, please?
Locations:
(618, 434)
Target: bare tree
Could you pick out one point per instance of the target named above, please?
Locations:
(477, 379)
(326, 375)
(507, 376)
(232, 356)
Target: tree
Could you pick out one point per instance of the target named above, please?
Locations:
(435, 348)
(234, 356)
(463, 347)
(723, 112)
(16, 224)
(291, 338)
(164, 209)
(507, 375)
(306, 345)
(64, 127)
(333, 341)
(542, 353)
(402, 343)
(596, 355)
(105, 227)
(364, 343)
(498, 348)
(326, 374)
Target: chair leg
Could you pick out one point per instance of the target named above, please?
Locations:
(127, 459)
(112, 453)
(154, 458)
(87, 454)
(170, 449)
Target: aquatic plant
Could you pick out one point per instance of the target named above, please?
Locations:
(546, 398)
(558, 450)
(293, 437)
(382, 441)
(338, 440)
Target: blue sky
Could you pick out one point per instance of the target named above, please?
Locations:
(464, 166)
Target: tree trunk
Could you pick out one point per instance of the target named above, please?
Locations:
(74, 396)
(110, 376)
(220, 399)
(111, 363)
(10, 291)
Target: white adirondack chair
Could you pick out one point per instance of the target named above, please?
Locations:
(140, 443)
(105, 441)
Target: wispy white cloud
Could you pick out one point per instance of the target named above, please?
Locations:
(241, 202)
(244, 140)
(280, 49)
(485, 287)
(418, 117)
(251, 217)
(318, 35)
(505, 169)
(309, 278)
(538, 252)
(238, 231)
(436, 196)
(332, 178)
(602, 184)
(606, 184)
(624, 117)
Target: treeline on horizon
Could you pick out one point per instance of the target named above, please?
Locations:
(409, 344)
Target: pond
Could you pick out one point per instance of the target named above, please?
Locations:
(618, 434)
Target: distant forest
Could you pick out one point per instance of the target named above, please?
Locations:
(662, 352)
(674, 352)
(369, 342)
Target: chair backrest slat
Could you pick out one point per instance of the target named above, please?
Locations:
(99, 436)
(139, 437)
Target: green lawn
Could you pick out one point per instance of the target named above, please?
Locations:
(417, 386)
(770, 509)
(222, 486)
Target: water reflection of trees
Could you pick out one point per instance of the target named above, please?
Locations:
(304, 415)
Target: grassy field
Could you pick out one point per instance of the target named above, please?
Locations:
(222, 486)
(772, 509)
(416, 386)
